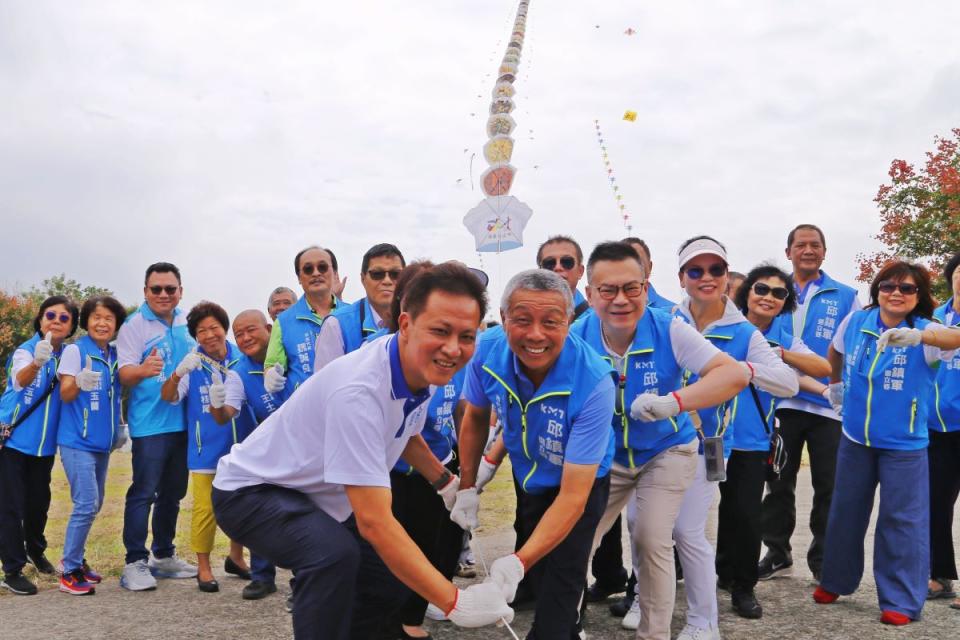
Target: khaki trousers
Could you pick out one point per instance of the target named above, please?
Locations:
(658, 487)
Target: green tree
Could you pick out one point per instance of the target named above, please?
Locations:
(920, 212)
(62, 286)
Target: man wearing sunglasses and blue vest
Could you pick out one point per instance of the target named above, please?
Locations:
(555, 398)
(563, 256)
(150, 345)
(822, 304)
(350, 325)
(289, 360)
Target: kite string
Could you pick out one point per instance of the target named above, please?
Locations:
(483, 563)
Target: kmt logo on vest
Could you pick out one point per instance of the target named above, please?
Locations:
(556, 412)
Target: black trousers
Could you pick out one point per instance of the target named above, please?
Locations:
(738, 521)
(822, 437)
(24, 502)
(607, 566)
(559, 578)
(343, 591)
(943, 455)
(421, 511)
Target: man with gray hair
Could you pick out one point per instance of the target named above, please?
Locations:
(281, 299)
(555, 397)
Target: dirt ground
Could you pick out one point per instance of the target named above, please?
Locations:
(176, 610)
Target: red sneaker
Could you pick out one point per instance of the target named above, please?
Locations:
(822, 596)
(76, 584)
(92, 576)
(895, 618)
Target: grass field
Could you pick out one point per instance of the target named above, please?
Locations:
(105, 551)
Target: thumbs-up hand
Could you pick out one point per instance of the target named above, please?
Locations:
(190, 362)
(88, 379)
(43, 350)
(273, 379)
(153, 364)
(217, 390)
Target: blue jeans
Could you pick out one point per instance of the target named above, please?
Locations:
(901, 547)
(87, 475)
(159, 481)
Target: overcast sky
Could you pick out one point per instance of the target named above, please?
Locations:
(225, 135)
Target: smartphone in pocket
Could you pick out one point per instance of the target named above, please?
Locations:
(713, 456)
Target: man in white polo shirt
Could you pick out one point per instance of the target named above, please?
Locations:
(310, 490)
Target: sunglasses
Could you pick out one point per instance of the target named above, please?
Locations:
(715, 270)
(320, 267)
(905, 288)
(64, 318)
(380, 274)
(780, 293)
(567, 262)
(168, 289)
(631, 290)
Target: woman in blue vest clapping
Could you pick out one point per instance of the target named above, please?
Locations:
(216, 420)
(31, 406)
(887, 357)
(89, 430)
(944, 452)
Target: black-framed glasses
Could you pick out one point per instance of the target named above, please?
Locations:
(320, 267)
(169, 289)
(567, 262)
(715, 270)
(761, 289)
(631, 290)
(906, 288)
(380, 274)
(52, 315)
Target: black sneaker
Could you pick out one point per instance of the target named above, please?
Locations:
(620, 608)
(769, 568)
(257, 589)
(42, 564)
(746, 606)
(19, 585)
(599, 592)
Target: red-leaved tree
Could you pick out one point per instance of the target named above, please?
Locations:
(919, 211)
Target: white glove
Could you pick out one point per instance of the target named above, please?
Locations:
(466, 509)
(834, 394)
(507, 572)
(649, 407)
(88, 379)
(485, 473)
(121, 437)
(190, 362)
(43, 350)
(900, 337)
(449, 492)
(217, 391)
(479, 605)
(273, 379)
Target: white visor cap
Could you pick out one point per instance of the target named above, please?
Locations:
(700, 247)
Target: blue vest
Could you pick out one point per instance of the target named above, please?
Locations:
(37, 436)
(657, 301)
(147, 413)
(357, 325)
(89, 423)
(734, 340)
(945, 410)
(649, 367)
(887, 394)
(749, 432)
(299, 327)
(536, 431)
(209, 441)
(826, 308)
(261, 402)
(438, 430)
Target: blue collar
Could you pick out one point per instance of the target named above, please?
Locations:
(398, 384)
(148, 313)
(802, 293)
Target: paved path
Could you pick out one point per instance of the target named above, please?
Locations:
(178, 611)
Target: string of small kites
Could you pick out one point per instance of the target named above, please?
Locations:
(630, 116)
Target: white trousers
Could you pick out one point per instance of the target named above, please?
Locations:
(697, 556)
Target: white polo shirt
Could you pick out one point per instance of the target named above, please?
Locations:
(346, 425)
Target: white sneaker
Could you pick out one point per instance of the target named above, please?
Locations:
(172, 567)
(136, 577)
(434, 613)
(691, 632)
(632, 619)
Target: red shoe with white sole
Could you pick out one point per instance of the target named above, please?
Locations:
(75, 583)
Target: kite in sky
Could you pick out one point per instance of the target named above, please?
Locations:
(612, 178)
